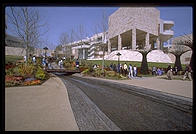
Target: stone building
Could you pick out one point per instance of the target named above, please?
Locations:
(130, 27)
(89, 48)
(14, 46)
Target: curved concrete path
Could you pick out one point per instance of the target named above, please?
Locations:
(39, 108)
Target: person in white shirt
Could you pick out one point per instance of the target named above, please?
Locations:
(25, 58)
(125, 69)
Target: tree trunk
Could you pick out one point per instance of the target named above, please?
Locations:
(103, 59)
(144, 65)
(178, 62)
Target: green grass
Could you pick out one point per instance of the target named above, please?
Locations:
(136, 63)
(12, 58)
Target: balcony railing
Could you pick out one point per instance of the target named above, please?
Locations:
(168, 32)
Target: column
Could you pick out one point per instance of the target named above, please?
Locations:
(83, 53)
(119, 42)
(133, 38)
(109, 46)
(158, 43)
(147, 39)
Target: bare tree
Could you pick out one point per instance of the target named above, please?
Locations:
(144, 50)
(63, 41)
(64, 38)
(25, 22)
(103, 26)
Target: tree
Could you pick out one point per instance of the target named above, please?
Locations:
(63, 41)
(25, 22)
(103, 27)
(144, 50)
(187, 40)
(177, 50)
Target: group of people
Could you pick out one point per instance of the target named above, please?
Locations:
(157, 71)
(174, 71)
(124, 69)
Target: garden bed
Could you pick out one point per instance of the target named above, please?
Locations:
(25, 74)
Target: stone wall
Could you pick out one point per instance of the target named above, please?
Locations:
(124, 19)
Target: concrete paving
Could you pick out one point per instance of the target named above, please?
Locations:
(176, 87)
(39, 108)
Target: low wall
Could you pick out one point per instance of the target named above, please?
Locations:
(15, 51)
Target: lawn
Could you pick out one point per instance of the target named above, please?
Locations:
(12, 58)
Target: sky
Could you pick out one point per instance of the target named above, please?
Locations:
(63, 19)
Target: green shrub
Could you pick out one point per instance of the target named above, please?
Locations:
(26, 69)
(86, 71)
(40, 73)
(110, 73)
(9, 72)
(16, 71)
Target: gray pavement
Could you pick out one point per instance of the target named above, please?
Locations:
(130, 108)
(88, 116)
(39, 108)
(171, 87)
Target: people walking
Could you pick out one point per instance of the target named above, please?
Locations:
(187, 73)
(134, 71)
(130, 71)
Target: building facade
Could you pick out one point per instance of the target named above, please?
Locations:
(14, 46)
(130, 27)
(89, 48)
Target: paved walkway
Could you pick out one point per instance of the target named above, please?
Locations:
(39, 108)
(176, 87)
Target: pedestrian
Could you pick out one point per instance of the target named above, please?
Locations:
(25, 58)
(34, 59)
(121, 69)
(175, 70)
(187, 73)
(169, 72)
(130, 71)
(153, 70)
(95, 66)
(114, 67)
(111, 66)
(77, 63)
(125, 69)
(159, 71)
(43, 62)
(134, 71)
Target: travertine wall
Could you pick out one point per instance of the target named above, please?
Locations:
(15, 51)
(143, 18)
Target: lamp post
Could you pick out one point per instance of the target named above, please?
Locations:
(45, 48)
(118, 54)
